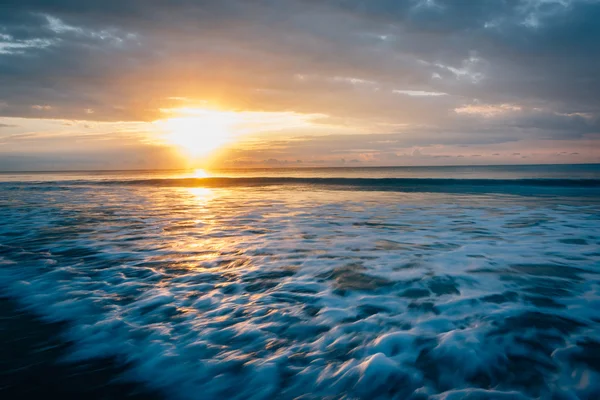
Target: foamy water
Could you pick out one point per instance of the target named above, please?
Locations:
(305, 290)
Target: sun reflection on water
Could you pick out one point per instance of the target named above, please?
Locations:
(201, 195)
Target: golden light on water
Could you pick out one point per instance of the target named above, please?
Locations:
(200, 195)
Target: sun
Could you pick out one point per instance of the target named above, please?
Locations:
(199, 135)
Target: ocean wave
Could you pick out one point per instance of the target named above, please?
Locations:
(300, 295)
(448, 185)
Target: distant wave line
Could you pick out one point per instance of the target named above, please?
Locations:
(400, 182)
(363, 184)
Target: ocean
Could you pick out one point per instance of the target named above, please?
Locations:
(328, 283)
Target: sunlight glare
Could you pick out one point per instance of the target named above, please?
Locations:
(200, 173)
(200, 134)
(200, 195)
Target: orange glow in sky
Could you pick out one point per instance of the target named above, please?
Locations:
(198, 133)
(247, 84)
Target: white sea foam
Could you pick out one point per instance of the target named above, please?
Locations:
(262, 293)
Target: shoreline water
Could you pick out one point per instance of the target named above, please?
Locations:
(34, 363)
(309, 290)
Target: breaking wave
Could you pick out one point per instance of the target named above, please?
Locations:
(217, 288)
(511, 186)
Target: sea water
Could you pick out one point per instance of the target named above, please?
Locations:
(384, 283)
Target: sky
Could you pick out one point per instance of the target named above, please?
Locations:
(136, 84)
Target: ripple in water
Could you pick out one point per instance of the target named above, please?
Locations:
(268, 292)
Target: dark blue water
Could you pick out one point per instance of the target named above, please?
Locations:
(553, 171)
(372, 283)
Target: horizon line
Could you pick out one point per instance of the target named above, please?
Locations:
(285, 167)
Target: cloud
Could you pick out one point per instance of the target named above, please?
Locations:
(419, 93)
(417, 73)
(39, 107)
(487, 110)
(138, 157)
